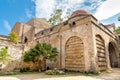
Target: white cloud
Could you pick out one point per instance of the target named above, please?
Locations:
(66, 5)
(7, 25)
(44, 8)
(28, 13)
(93, 5)
(108, 9)
(73, 2)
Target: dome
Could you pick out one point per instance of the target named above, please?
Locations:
(79, 12)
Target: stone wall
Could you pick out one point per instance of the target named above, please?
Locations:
(15, 51)
(18, 27)
(39, 24)
(86, 28)
(108, 37)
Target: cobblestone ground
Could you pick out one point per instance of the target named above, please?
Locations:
(114, 75)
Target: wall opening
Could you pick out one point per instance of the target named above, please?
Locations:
(74, 54)
(25, 40)
(101, 56)
(112, 56)
(72, 24)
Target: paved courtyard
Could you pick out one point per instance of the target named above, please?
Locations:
(114, 75)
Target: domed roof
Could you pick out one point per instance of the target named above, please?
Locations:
(79, 12)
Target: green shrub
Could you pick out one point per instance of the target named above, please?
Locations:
(54, 72)
(4, 56)
(25, 70)
(40, 53)
(13, 37)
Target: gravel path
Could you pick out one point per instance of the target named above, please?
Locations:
(114, 75)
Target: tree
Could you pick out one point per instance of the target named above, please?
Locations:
(68, 13)
(117, 30)
(118, 18)
(4, 56)
(40, 53)
(56, 17)
(13, 37)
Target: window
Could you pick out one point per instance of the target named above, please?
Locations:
(51, 29)
(72, 24)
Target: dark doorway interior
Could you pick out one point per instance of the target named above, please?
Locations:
(25, 40)
(112, 56)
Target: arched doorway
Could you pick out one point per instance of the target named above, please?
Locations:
(25, 40)
(74, 57)
(112, 56)
(101, 56)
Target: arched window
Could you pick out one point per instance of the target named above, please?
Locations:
(72, 24)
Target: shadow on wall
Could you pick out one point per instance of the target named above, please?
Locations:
(112, 56)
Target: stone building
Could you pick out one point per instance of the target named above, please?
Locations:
(84, 44)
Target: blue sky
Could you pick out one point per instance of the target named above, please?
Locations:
(12, 11)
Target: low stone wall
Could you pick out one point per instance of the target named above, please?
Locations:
(15, 51)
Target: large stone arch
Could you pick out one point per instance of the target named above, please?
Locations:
(112, 54)
(101, 54)
(74, 54)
